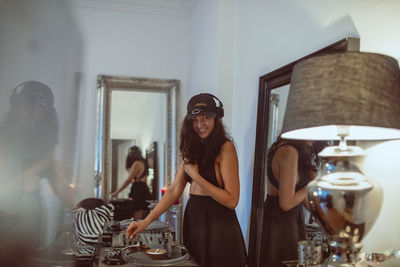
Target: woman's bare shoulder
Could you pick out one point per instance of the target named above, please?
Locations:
(138, 164)
(228, 143)
(228, 146)
(287, 150)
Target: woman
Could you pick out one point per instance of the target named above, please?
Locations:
(291, 164)
(138, 170)
(28, 140)
(211, 231)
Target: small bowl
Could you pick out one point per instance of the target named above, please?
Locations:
(156, 253)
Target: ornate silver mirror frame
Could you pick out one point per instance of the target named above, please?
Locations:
(105, 86)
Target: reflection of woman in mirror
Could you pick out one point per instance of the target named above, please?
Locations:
(291, 165)
(28, 136)
(138, 171)
(211, 231)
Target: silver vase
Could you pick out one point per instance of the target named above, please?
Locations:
(345, 203)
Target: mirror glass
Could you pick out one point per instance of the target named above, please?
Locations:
(136, 120)
(140, 112)
(277, 106)
(272, 97)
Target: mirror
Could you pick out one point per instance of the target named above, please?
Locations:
(135, 111)
(272, 96)
(153, 177)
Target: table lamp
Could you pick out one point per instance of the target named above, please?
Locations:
(344, 96)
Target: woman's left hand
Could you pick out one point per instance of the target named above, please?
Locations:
(135, 227)
(192, 170)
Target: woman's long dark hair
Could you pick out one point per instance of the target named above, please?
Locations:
(195, 150)
(134, 154)
(39, 141)
(308, 161)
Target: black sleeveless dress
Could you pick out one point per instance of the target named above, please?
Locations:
(211, 231)
(140, 191)
(281, 229)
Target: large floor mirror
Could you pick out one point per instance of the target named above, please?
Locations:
(272, 96)
(141, 112)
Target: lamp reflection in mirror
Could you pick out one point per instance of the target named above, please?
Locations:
(344, 96)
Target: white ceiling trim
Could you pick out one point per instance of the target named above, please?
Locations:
(160, 7)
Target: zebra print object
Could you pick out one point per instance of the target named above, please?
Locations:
(89, 223)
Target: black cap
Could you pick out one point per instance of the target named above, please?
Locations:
(135, 150)
(205, 105)
(32, 92)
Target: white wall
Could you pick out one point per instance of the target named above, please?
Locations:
(271, 34)
(125, 44)
(382, 165)
(202, 60)
(211, 60)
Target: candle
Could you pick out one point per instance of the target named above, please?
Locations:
(162, 193)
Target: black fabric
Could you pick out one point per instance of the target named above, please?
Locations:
(139, 193)
(281, 232)
(271, 178)
(145, 172)
(91, 203)
(212, 233)
(188, 178)
(207, 171)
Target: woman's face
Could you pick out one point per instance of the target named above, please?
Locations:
(203, 125)
(30, 116)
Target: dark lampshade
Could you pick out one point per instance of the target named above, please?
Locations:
(353, 89)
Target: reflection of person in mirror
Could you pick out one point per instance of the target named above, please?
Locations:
(138, 170)
(28, 136)
(291, 165)
(211, 231)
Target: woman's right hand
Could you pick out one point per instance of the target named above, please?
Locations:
(136, 227)
(114, 194)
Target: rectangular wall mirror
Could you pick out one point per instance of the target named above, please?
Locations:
(141, 112)
(272, 96)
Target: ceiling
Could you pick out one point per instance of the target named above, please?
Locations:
(160, 7)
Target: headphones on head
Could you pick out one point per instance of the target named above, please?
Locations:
(220, 107)
(15, 94)
(40, 92)
(135, 151)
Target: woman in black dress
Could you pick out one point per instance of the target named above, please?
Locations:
(138, 170)
(28, 140)
(291, 165)
(211, 231)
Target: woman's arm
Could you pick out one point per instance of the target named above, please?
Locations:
(288, 172)
(29, 180)
(229, 168)
(136, 169)
(173, 192)
(61, 185)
